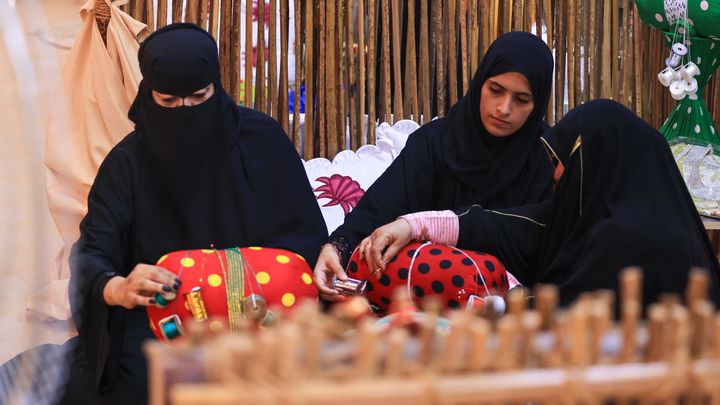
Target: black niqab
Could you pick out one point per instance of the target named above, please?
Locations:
(186, 178)
(621, 202)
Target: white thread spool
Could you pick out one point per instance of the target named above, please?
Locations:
(677, 52)
(689, 87)
(689, 71)
(676, 90)
(667, 76)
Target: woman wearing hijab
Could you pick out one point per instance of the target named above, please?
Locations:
(621, 201)
(486, 151)
(198, 171)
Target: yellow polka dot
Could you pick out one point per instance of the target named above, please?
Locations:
(214, 280)
(207, 251)
(216, 326)
(306, 278)
(282, 259)
(300, 257)
(162, 259)
(255, 248)
(263, 278)
(187, 262)
(288, 299)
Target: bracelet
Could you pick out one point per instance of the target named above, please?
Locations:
(342, 248)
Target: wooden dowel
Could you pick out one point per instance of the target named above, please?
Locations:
(397, 107)
(411, 106)
(260, 92)
(214, 18)
(162, 13)
(371, 69)
(283, 116)
(361, 72)
(191, 11)
(234, 43)
(226, 63)
(298, 76)
(385, 78)
(439, 40)
(203, 14)
(425, 94)
(452, 49)
(272, 90)
(331, 92)
(464, 47)
(249, 58)
(352, 80)
(322, 143)
(177, 9)
(340, 115)
(309, 131)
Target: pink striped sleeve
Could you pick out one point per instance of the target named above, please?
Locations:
(436, 226)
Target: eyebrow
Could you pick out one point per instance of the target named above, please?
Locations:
(519, 93)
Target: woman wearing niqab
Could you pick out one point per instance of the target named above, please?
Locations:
(195, 176)
(455, 162)
(620, 202)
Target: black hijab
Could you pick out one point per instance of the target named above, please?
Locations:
(453, 162)
(621, 202)
(478, 158)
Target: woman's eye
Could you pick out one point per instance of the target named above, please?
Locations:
(523, 100)
(495, 90)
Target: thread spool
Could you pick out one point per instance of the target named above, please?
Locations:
(676, 54)
(171, 327)
(496, 302)
(196, 304)
(689, 71)
(350, 286)
(667, 76)
(677, 91)
(689, 87)
(255, 307)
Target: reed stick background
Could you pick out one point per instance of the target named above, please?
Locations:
(396, 59)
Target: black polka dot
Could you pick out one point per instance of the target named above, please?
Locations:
(385, 280)
(495, 286)
(453, 304)
(456, 252)
(385, 300)
(419, 292)
(445, 264)
(403, 273)
(393, 259)
(435, 252)
(411, 253)
(458, 281)
(478, 280)
(352, 268)
(424, 268)
(368, 286)
(467, 261)
(437, 286)
(374, 306)
(504, 280)
(490, 266)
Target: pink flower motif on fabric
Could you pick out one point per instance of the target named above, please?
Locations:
(340, 190)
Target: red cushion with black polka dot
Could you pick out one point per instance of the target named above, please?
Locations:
(426, 269)
(282, 278)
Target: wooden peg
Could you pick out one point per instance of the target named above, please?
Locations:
(479, 331)
(366, 349)
(452, 355)
(546, 300)
(697, 287)
(530, 326)
(578, 335)
(630, 285)
(506, 352)
(657, 318)
(395, 356)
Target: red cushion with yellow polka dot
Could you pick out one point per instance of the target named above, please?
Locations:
(279, 277)
(451, 274)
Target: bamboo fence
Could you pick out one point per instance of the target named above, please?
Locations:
(368, 61)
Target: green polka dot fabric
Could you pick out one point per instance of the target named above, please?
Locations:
(703, 15)
(691, 118)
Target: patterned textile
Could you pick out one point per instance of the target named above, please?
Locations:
(279, 278)
(431, 269)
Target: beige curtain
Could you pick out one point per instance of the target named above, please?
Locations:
(98, 84)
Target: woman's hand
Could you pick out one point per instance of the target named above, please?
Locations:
(384, 243)
(139, 287)
(329, 266)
